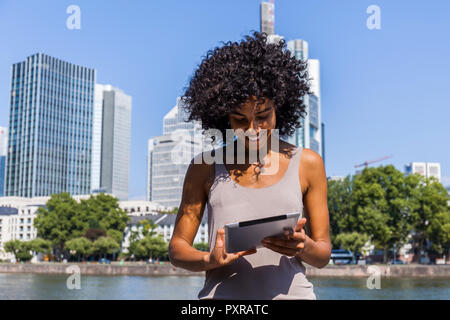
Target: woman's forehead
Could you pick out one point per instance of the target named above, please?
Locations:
(254, 104)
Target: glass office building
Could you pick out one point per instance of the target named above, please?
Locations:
(50, 128)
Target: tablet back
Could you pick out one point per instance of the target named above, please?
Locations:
(246, 235)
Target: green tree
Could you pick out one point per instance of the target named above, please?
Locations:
(105, 245)
(103, 212)
(40, 245)
(339, 193)
(116, 235)
(20, 249)
(429, 214)
(64, 219)
(60, 221)
(146, 243)
(202, 246)
(381, 207)
(174, 210)
(352, 241)
(439, 233)
(81, 246)
(156, 247)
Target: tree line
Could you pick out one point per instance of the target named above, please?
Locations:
(381, 206)
(388, 208)
(87, 230)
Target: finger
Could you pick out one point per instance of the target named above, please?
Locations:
(230, 257)
(292, 244)
(287, 233)
(220, 238)
(281, 250)
(298, 236)
(300, 224)
(246, 252)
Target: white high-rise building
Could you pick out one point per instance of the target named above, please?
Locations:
(3, 141)
(111, 141)
(169, 156)
(426, 169)
(267, 17)
(309, 135)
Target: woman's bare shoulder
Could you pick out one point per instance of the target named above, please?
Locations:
(312, 168)
(201, 170)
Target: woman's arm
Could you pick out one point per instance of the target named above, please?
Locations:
(181, 252)
(313, 246)
(317, 245)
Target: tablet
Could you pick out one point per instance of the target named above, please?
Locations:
(246, 235)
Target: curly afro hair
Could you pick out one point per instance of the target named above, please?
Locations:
(228, 76)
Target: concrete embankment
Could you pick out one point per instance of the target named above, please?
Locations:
(400, 271)
(388, 271)
(97, 269)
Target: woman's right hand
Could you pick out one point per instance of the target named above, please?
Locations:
(219, 257)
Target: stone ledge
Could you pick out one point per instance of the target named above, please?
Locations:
(401, 271)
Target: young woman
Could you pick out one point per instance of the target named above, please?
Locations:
(253, 85)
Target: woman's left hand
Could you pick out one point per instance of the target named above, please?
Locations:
(292, 243)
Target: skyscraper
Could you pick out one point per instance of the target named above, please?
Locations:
(111, 141)
(50, 127)
(169, 156)
(267, 11)
(310, 134)
(3, 149)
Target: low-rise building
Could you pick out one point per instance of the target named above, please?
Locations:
(166, 224)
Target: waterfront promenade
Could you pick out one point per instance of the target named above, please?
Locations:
(166, 269)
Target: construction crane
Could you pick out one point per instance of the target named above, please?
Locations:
(367, 162)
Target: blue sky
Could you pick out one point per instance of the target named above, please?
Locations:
(384, 92)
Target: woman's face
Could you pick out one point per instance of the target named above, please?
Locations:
(251, 117)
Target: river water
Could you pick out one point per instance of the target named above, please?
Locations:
(37, 286)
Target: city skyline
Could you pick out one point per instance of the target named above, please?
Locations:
(374, 102)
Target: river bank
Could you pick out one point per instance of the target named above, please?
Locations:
(135, 269)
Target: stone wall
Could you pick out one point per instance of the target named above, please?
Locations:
(412, 270)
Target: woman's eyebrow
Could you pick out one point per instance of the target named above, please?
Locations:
(240, 114)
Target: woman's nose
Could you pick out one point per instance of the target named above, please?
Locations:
(253, 127)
